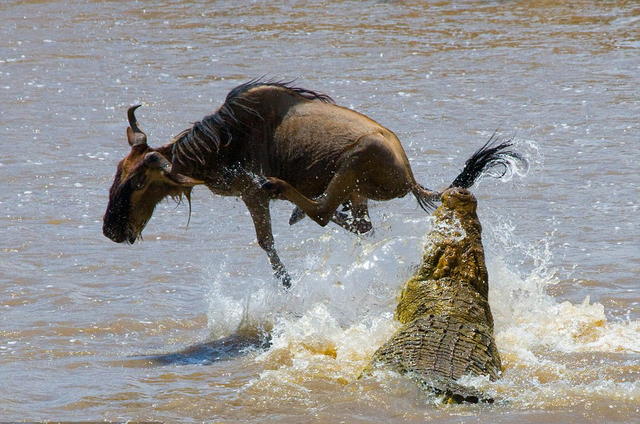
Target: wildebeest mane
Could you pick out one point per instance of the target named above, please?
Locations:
(213, 130)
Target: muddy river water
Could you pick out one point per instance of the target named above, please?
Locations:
(190, 326)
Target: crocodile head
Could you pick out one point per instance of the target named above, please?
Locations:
(453, 265)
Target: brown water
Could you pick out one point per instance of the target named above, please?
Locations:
(175, 329)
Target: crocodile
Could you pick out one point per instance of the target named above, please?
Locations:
(447, 325)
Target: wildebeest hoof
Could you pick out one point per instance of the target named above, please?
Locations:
(284, 277)
(296, 215)
(363, 226)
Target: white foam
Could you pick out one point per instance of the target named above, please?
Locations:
(340, 310)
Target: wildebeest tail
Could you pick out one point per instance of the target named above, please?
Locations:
(491, 155)
(426, 198)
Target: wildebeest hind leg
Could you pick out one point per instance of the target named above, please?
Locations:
(321, 210)
(356, 220)
(296, 216)
(259, 209)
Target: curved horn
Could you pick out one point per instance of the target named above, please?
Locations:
(156, 160)
(134, 134)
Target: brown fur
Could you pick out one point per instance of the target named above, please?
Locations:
(268, 140)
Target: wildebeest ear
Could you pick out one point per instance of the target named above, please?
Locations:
(135, 135)
(134, 138)
(157, 161)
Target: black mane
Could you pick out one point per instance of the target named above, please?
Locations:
(259, 82)
(194, 143)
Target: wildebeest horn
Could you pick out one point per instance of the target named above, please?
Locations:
(156, 160)
(134, 134)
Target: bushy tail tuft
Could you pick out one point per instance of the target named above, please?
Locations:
(426, 198)
(489, 156)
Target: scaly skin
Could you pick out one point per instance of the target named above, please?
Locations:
(447, 327)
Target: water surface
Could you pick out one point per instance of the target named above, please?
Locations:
(190, 326)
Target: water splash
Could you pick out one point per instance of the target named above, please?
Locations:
(554, 353)
(340, 310)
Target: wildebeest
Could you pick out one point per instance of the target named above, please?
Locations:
(273, 140)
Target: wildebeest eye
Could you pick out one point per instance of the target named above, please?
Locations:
(138, 183)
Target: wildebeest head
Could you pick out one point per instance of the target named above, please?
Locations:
(143, 178)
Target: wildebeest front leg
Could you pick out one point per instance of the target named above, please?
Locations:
(259, 210)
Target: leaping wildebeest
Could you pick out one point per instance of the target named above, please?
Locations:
(273, 140)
